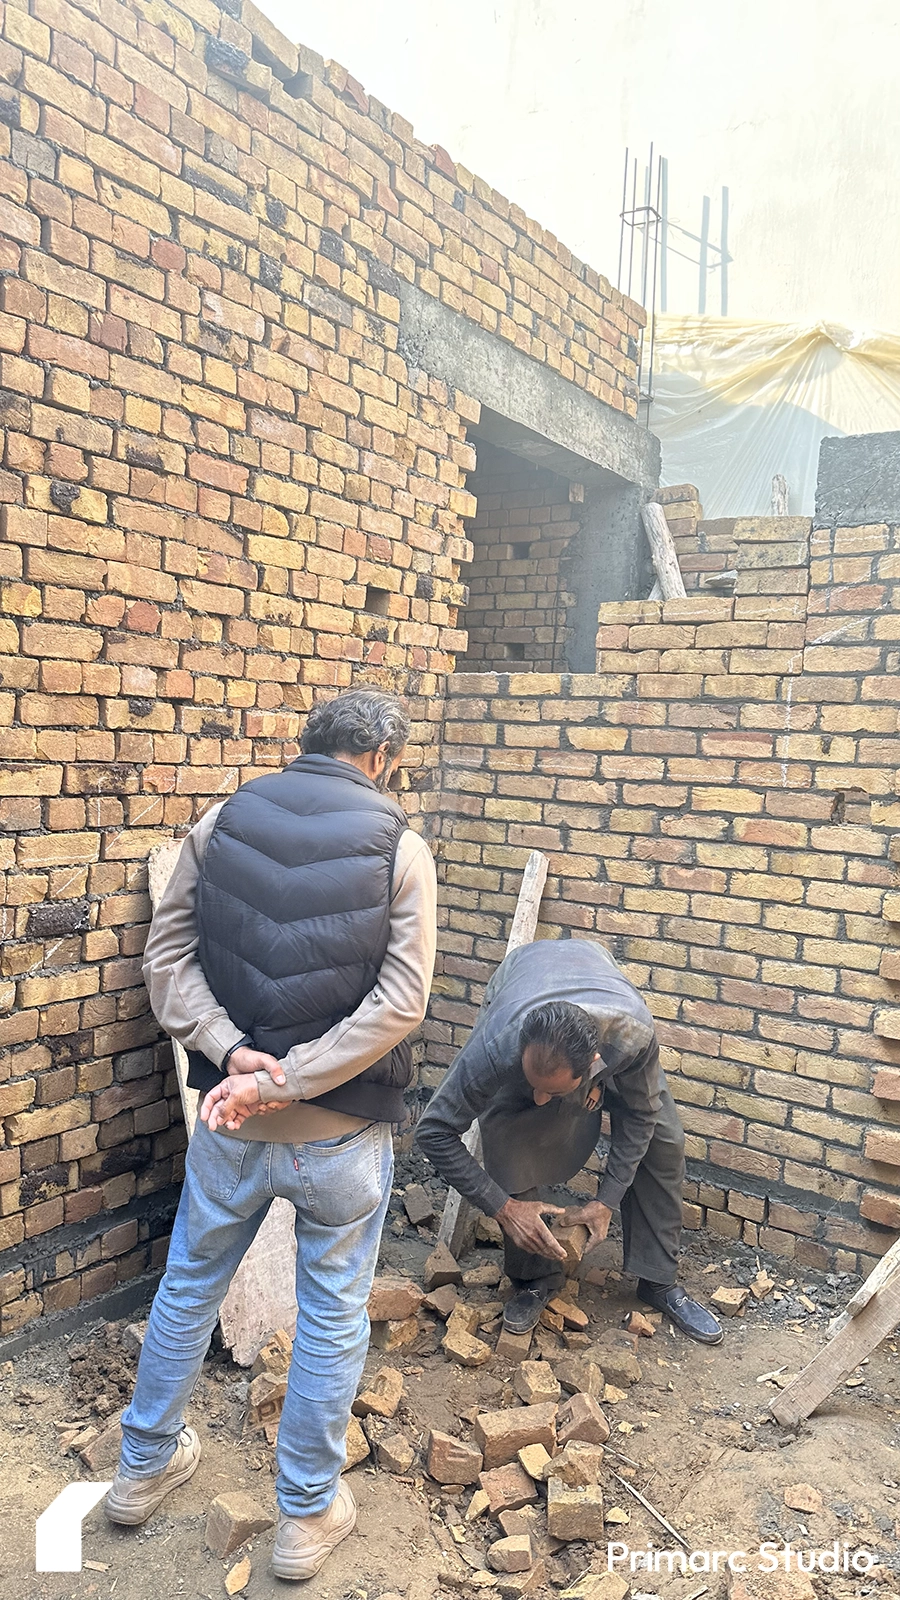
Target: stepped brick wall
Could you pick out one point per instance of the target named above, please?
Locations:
(226, 486)
(719, 805)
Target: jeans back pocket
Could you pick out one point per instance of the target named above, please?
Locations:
(343, 1181)
(217, 1161)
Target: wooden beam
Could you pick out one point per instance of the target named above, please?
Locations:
(821, 1376)
(662, 549)
(262, 1297)
(457, 1226)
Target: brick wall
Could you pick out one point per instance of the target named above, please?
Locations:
(518, 599)
(225, 486)
(719, 807)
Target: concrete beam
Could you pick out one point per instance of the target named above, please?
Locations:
(858, 481)
(529, 409)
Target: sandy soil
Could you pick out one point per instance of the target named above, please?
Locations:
(694, 1435)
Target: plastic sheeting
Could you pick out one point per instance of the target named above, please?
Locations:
(737, 402)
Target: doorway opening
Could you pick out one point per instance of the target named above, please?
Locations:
(519, 598)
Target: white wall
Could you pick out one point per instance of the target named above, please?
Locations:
(791, 104)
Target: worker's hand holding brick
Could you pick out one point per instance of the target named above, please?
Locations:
(523, 1221)
(595, 1217)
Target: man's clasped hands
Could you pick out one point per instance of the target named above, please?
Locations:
(237, 1097)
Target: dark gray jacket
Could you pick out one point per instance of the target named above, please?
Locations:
(293, 914)
(486, 1082)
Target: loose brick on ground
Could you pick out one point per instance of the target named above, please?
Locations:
(501, 1434)
(449, 1460)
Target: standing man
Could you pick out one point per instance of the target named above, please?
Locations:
(562, 1030)
(293, 952)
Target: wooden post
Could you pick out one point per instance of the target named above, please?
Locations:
(162, 863)
(262, 1297)
(662, 549)
(458, 1220)
(886, 1267)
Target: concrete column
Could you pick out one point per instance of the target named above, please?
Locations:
(608, 560)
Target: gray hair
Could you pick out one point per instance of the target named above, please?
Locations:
(360, 720)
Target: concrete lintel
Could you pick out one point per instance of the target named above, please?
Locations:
(530, 409)
(540, 452)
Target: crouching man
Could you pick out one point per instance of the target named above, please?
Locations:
(293, 952)
(560, 1033)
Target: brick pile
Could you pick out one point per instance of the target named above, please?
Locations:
(226, 486)
(518, 599)
(719, 807)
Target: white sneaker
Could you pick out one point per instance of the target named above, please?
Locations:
(132, 1500)
(303, 1544)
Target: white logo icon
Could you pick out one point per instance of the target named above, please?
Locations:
(57, 1532)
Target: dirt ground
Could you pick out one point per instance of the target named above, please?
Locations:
(693, 1435)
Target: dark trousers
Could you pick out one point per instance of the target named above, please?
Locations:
(650, 1210)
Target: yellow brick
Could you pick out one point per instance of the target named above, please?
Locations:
(52, 848)
(545, 685)
(597, 738)
(21, 600)
(27, 1126)
(828, 658)
(463, 503)
(68, 389)
(88, 504)
(26, 32)
(540, 737)
(887, 1025)
(736, 800)
(741, 686)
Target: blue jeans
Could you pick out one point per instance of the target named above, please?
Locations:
(340, 1189)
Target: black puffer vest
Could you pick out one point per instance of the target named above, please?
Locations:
(293, 913)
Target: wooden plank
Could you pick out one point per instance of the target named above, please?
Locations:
(528, 905)
(162, 863)
(457, 1227)
(880, 1273)
(821, 1376)
(662, 549)
(262, 1297)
